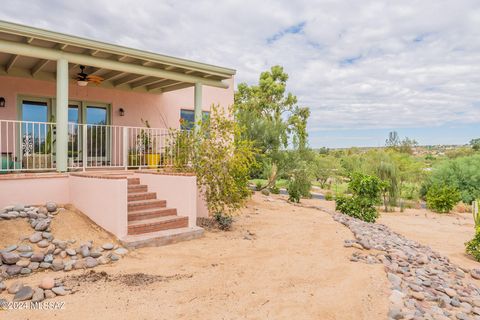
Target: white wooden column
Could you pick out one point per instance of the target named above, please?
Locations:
(198, 105)
(62, 115)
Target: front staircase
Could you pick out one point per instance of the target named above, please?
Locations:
(148, 214)
(151, 222)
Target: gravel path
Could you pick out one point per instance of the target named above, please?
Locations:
(424, 284)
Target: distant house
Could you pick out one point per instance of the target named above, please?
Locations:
(77, 114)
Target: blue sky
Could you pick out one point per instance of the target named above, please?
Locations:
(363, 67)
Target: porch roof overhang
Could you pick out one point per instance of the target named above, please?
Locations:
(31, 52)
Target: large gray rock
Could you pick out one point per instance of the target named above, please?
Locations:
(24, 248)
(19, 207)
(10, 248)
(13, 270)
(51, 206)
(121, 251)
(71, 252)
(60, 291)
(10, 257)
(25, 293)
(36, 237)
(43, 243)
(108, 246)
(475, 273)
(91, 262)
(37, 257)
(84, 251)
(48, 258)
(42, 224)
(57, 264)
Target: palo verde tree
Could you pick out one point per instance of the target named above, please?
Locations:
(271, 118)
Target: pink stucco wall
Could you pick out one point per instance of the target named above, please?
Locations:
(102, 200)
(35, 191)
(156, 108)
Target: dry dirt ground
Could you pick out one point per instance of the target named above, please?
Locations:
(279, 262)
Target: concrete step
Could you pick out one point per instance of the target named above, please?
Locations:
(133, 181)
(157, 224)
(146, 205)
(136, 188)
(141, 196)
(161, 238)
(152, 213)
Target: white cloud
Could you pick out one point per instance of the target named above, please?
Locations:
(356, 64)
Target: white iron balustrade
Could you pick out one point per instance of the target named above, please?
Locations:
(30, 146)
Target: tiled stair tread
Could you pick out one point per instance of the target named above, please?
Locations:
(156, 212)
(134, 187)
(142, 194)
(158, 220)
(133, 181)
(146, 202)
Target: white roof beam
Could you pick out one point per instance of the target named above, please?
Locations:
(177, 86)
(145, 82)
(128, 79)
(161, 84)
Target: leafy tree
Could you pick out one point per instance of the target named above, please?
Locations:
(394, 142)
(461, 173)
(475, 143)
(299, 184)
(271, 118)
(325, 167)
(222, 162)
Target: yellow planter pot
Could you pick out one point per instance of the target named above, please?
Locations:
(153, 159)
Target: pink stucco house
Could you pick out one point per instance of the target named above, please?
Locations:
(89, 124)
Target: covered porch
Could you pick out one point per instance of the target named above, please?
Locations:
(125, 113)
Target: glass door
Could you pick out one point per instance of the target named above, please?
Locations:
(74, 135)
(98, 135)
(36, 136)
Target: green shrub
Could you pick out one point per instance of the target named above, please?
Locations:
(366, 192)
(299, 185)
(275, 190)
(328, 196)
(442, 198)
(224, 222)
(473, 246)
(258, 186)
(356, 207)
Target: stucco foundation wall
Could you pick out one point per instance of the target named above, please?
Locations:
(34, 191)
(102, 200)
(177, 190)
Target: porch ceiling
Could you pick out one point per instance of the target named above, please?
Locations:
(31, 52)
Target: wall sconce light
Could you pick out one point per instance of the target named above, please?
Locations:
(121, 111)
(2, 102)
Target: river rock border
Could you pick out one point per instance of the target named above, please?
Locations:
(424, 284)
(41, 251)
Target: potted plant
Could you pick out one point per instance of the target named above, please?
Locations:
(147, 143)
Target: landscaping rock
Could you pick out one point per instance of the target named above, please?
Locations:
(80, 264)
(10, 248)
(114, 257)
(25, 271)
(43, 243)
(42, 224)
(33, 265)
(57, 264)
(19, 207)
(10, 257)
(23, 263)
(25, 293)
(48, 258)
(49, 294)
(107, 246)
(60, 291)
(37, 257)
(2, 286)
(91, 262)
(475, 273)
(71, 252)
(36, 237)
(47, 283)
(84, 251)
(13, 270)
(51, 206)
(24, 248)
(38, 295)
(15, 287)
(45, 265)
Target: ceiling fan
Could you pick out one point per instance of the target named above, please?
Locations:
(83, 79)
